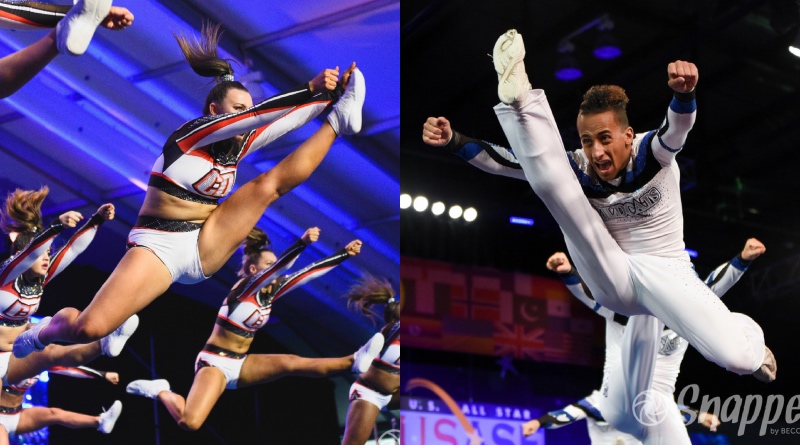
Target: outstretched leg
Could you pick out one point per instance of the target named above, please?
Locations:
(53, 355)
(263, 368)
(36, 418)
(122, 295)
(230, 223)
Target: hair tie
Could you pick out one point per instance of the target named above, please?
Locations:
(226, 78)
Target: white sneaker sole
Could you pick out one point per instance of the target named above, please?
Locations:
(82, 25)
(509, 48)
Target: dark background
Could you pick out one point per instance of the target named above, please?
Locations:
(739, 165)
(172, 331)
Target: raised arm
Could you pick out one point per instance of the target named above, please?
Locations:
(285, 261)
(721, 279)
(569, 414)
(325, 81)
(669, 139)
(84, 372)
(304, 103)
(79, 241)
(18, 68)
(315, 270)
(27, 15)
(559, 263)
(488, 157)
(13, 267)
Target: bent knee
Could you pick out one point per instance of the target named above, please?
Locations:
(268, 187)
(86, 331)
(190, 423)
(741, 361)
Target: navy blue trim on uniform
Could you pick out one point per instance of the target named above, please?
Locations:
(681, 107)
(570, 278)
(645, 167)
(590, 410)
(491, 150)
(469, 151)
(739, 263)
(671, 150)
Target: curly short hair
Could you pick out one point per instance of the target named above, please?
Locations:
(602, 98)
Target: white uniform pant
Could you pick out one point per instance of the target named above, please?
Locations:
(666, 288)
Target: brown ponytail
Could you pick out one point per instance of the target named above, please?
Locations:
(202, 57)
(256, 242)
(370, 291)
(23, 211)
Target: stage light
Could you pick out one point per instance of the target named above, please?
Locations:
(455, 212)
(521, 221)
(470, 214)
(692, 253)
(405, 201)
(567, 68)
(420, 203)
(607, 47)
(794, 48)
(437, 208)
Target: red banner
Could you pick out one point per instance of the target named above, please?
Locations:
(491, 312)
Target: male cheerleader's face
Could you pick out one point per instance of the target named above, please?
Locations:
(235, 100)
(606, 143)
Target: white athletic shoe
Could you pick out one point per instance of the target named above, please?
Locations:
(769, 368)
(508, 56)
(113, 343)
(345, 117)
(75, 30)
(147, 388)
(109, 418)
(25, 344)
(365, 354)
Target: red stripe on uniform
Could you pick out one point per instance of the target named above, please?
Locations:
(300, 278)
(16, 18)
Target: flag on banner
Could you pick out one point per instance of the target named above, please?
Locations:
(492, 312)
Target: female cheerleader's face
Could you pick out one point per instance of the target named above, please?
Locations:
(606, 143)
(39, 268)
(235, 100)
(267, 259)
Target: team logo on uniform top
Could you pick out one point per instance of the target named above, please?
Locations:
(21, 310)
(669, 343)
(640, 206)
(257, 318)
(215, 183)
